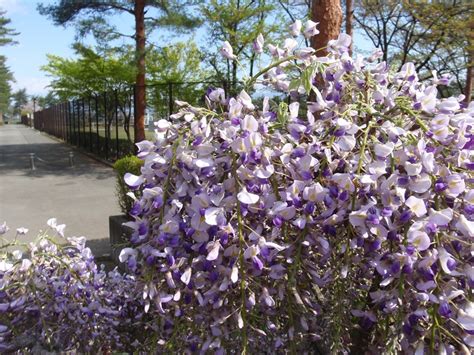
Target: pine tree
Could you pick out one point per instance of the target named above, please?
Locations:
(88, 15)
(6, 77)
(328, 14)
(20, 99)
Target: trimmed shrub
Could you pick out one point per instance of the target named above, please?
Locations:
(129, 164)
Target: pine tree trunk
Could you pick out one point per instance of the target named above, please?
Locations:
(1, 118)
(329, 15)
(470, 66)
(470, 72)
(140, 90)
(349, 15)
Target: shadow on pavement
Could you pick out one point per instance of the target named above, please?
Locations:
(51, 159)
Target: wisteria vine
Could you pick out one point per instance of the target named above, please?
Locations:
(54, 298)
(339, 220)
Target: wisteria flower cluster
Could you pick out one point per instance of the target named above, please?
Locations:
(340, 220)
(54, 298)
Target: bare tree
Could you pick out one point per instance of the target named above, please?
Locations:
(470, 65)
(413, 32)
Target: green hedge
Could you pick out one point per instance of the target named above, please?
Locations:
(129, 164)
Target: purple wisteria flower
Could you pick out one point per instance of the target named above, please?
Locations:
(344, 223)
(55, 298)
(341, 224)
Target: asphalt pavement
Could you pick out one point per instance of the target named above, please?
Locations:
(82, 196)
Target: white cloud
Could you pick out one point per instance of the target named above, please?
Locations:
(33, 85)
(12, 6)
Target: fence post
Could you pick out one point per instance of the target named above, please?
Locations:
(97, 138)
(84, 143)
(90, 121)
(73, 121)
(170, 98)
(56, 121)
(117, 145)
(68, 122)
(134, 111)
(53, 120)
(106, 128)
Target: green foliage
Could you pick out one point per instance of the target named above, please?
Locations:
(91, 73)
(6, 33)
(48, 100)
(239, 22)
(90, 18)
(129, 164)
(6, 77)
(114, 69)
(176, 64)
(20, 99)
(5, 87)
(172, 13)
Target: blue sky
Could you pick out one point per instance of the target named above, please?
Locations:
(39, 37)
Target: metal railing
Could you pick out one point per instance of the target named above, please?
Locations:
(104, 124)
(99, 124)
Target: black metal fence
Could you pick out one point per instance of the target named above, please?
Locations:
(104, 124)
(161, 97)
(101, 124)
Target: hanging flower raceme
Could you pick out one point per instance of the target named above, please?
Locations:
(336, 214)
(341, 221)
(53, 297)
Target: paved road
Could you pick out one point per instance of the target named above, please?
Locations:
(82, 197)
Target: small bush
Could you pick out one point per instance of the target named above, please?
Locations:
(129, 164)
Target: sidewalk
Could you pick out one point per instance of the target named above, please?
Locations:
(82, 197)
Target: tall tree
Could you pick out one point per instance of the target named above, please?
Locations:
(6, 37)
(294, 9)
(6, 33)
(174, 72)
(413, 32)
(5, 87)
(48, 100)
(91, 73)
(329, 15)
(114, 69)
(20, 99)
(238, 22)
(140, 88)
(172, 13)
(470, 65)
(348, 21)
(381, 22)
